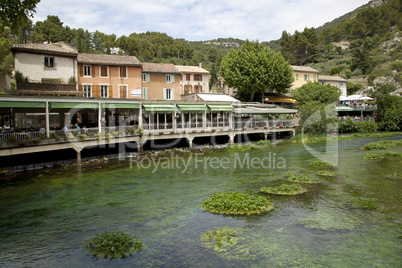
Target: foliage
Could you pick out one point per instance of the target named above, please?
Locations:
(352, 88)
(324, 138)
(13, 138)
(396, 65)
(13, 13)
(82, 137)
(300, 179)
(362, 55)
(392, 154)
(238, 148)
(262, 144)
(284, 189)
(51, 30)
(321, 163)
(382, 144)
(41, 135)
(314, 104)
(254, 68)
(365, 203)
(236, 203)
(223, 237)
(6, 57)
(113, 245)
(326, 173)
(52, 135)
(72, 81)
(140, 131)
(389, 113)
(373, 156)
(28, 137)
(366, 126)
(299, 48)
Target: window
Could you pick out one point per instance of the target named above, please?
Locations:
(322, 82)
(197, 77)
(104, 71)
(87, 70)
(123, 71)
(104, 91)
(145, 93)
(340, 83)
(168, 94)
(49, 62)
(315, 78)
(198, 89)
(145, 77)
(188, 77)
(306, 77)
(297, 77)
(123, 92)
(170, 78)
(87, 91)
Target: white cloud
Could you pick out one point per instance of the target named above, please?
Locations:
(194, 20)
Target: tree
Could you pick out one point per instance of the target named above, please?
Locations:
(352, 88)
(389, 113)
(6, 57)
(301, 47)
(51, 30)
(254, 68)
(13, 12)
(314, 100)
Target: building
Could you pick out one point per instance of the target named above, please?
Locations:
(45, 69)
(194, 79)
(342, 44)
(334, 81)
(302, 75)
(109, 76)
(160, 81)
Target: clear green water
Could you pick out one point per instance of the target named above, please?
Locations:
(350, 220)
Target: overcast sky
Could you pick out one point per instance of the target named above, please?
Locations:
(197, 20)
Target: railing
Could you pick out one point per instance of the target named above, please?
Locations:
(361, 107)
(359, 119)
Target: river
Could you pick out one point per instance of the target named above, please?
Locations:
(352, 219)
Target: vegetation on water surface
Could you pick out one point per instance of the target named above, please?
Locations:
(238, 148)
(262, 143)
(113, 245)
(377, 156)
(383, 144)
(300, 178)
(222, 238)
(326, 173)
(321, 163)
(284, 189)
(325, 138)
(235, 203)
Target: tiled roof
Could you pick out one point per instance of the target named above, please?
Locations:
(108, 59)
(59, 47)
(191, 69)
(159, 68)
(331, 78)
(304, 69)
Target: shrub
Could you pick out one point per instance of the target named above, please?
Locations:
(28, 137)
(392, 154)
(113, 245)
(14, 138)
(82, 137)
(236, 204)
(366, 126)
(284, 189)
(52, 135)
(262, 143)
(41, 135)
(395, 65)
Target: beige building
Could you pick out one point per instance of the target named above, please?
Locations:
(334, 81)
(194, 79)
(160, 81)
(109, 76)
(303, 74)
(342, 44)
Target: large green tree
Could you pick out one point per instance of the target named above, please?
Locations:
(315, 102)
(254, 68)
(389, 113)
(301, 47)
(14, 12)
(51, 30)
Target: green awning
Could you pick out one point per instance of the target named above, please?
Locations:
(264, 111)
(21, 104)
(76, 105)
(220, 107)
(192, 107)
(122, 105)
(160, 107)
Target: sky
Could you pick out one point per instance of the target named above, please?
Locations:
(197, 20)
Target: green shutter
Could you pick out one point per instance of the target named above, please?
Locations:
(172, 78)
(144, 93)
(172, 91)
(297, 77)
(148, 77)
(164, 93)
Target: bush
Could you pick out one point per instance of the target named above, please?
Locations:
(113, 245)
(52, 135)
(236, 204)
(284, 189)
(383, 144)
(395, 65)
(347, 126)
(357, 72)
(366, 126)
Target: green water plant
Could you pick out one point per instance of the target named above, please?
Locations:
(235, 203)
(238, 148)
(321, 163)
(373, 156)
(300, 179)
(326, 173)
(383, 144)
(284, 189)
(222, 238)
(262, 143)
(113, 245)
(392, 154)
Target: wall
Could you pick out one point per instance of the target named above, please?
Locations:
(158, 82)
(204, 83)
(301, 81)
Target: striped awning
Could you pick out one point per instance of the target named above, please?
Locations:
(192, 107)
(75, 105)
(220, 107)
(22, 104)
(160, 107)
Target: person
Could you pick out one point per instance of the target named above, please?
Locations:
(11, 130)
(42, 130)
(84, 129)
(78, 129)
(65, 130)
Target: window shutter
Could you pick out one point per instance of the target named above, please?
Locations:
(200, 77)
(148, 77)
(92, 70)
(81, 70)
(144, 93)
(164, 93)
(200, 89)
(172, 78)
(172, 93)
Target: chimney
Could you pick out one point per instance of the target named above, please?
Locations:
(200, 64)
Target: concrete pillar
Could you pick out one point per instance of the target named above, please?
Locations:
(190, 142)
(47, 119)
(231, 139)
(139, 146)
(140, 117)
(100, 114)
(78, 150)
(266, 135)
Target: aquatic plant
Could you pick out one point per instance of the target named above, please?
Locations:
(365, 203)
(326, 173)
(236, 203)
(222, 238)
(262, 143)
(324, 138)
(383, 144)
(392, 154)
(300, 179)
(321, 163)
(373, 156)
(238, 148)
(284, 189)
(330, 220)
(113, 245)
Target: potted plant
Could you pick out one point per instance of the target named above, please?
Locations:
(213, 130)
(244, 128)
(265, 127)
(256, 127)
(171, 132)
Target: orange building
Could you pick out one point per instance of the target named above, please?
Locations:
(109, 76)
(160, 81)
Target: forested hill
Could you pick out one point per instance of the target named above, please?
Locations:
(367, 28)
